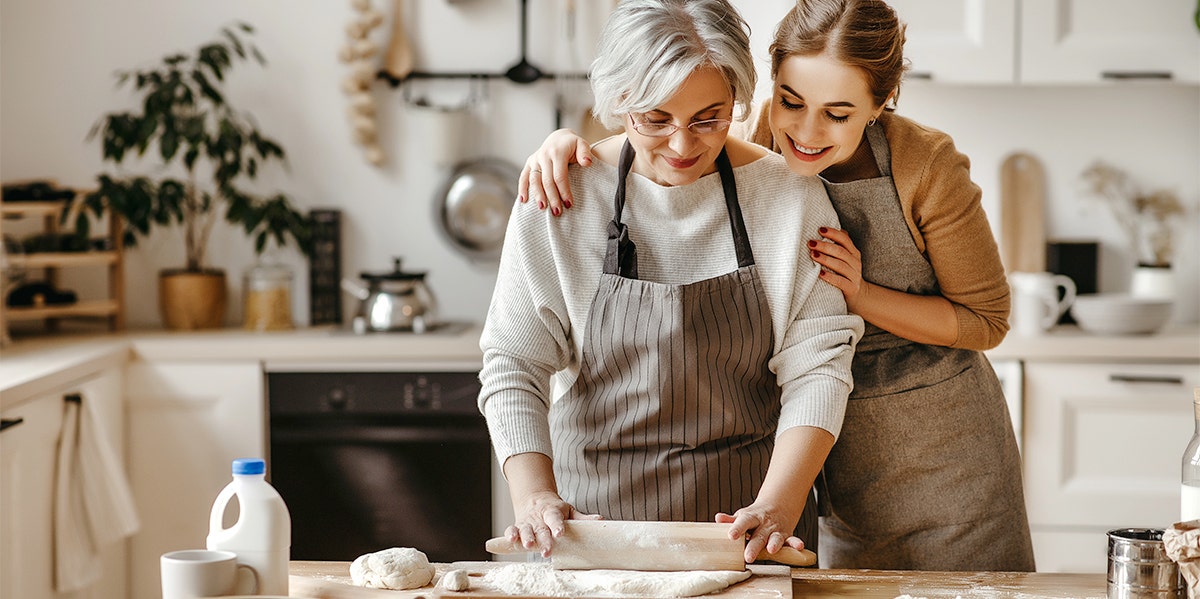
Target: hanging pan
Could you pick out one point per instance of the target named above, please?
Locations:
(474, 204)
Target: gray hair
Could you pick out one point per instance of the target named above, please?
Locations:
(650, 47)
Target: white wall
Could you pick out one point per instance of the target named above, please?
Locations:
(57, 58)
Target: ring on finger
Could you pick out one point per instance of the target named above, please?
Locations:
(535, 170)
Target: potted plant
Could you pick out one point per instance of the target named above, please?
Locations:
(1147, 218)
(202, 153)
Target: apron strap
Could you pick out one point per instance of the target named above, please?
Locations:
(620, 256)
(880, 149)
(741, 241)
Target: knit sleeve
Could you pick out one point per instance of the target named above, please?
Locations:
(958, 241)
(525, 339)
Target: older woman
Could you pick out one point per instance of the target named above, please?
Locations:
(666, 351)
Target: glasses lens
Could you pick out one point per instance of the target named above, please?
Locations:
(655, 129)
(710, 126)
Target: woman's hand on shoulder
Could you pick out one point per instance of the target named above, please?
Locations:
(840, 262)
(544, 177)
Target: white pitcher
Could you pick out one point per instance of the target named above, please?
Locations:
(1035, 301)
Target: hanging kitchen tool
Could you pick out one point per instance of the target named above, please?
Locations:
(523, 71)
(398, 61)
(474, 205)
(1022, 214)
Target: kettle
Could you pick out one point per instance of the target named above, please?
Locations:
(393, 301)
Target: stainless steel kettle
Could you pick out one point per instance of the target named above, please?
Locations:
(393, 301)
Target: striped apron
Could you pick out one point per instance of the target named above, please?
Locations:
(674, 412)
(925, 474)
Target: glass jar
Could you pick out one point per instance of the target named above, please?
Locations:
(267, 298)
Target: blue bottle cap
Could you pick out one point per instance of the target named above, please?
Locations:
(249, 466)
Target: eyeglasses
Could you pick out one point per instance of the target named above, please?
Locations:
(668, 129)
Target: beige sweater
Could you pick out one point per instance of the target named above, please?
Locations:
(942, 207)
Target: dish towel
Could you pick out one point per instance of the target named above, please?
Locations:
(93, 504)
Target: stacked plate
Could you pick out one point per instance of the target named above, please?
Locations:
(1120, 313)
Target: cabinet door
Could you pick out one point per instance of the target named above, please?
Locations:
(28, 455)
(187, 423)
(1103, 442)
(28, 462)
(972, 41)
(1090, 41)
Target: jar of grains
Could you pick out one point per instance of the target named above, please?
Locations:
(267, 294)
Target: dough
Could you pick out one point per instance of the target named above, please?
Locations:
(455, 580)
(396, 568)
(543, 580)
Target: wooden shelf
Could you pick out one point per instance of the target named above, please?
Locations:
(31, 208)
(49, 264)
(63, 259)
(97, 308)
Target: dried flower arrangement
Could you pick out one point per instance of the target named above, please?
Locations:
(1146, 217)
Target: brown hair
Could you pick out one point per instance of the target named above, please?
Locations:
(861, 33)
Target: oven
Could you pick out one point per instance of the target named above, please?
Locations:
(373, 458)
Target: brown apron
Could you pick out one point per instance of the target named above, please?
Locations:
(925, 474)
(674, 412)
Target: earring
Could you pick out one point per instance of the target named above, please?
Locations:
(871, 122)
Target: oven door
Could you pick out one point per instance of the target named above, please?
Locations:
(368, 461)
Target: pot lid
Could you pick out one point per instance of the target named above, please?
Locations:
(397, 274)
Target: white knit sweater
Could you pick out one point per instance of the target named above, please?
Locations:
(550, 269)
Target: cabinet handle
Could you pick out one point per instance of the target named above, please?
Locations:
(1146, 378)
(1133, 75)
(8, 423)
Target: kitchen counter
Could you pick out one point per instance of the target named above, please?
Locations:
(27, 365)
(331, 580)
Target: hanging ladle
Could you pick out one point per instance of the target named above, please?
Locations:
(523, 71)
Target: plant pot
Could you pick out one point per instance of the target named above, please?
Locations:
(190, 300)
(1155, 281)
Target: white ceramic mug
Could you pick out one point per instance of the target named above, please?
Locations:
(202, 573)
(1035, 301)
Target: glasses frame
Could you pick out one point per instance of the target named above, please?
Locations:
(670, 129)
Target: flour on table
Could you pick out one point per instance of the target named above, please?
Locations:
(541, 579)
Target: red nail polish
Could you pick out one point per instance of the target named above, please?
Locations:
(521, 199)
(555, 211)
(812, 243)
(823, 230)
(541, 205)
(567, 203)
(816, 254)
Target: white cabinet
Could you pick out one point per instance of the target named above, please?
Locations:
(187, 423)
(28, 462)
(970, 41)
(1102, 448)
(1085, 41)
(1051, 41)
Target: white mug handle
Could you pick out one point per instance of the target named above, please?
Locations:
(242, 579)
(1068, 287)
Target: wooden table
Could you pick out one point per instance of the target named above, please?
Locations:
(331, 580)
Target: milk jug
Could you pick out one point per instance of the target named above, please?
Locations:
(262, 535)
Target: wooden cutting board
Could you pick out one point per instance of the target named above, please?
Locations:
(1022, 213)
(331, 580)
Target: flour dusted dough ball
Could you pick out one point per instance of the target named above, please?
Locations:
(397, 568)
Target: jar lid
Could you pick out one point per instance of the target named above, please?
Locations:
(397, 274)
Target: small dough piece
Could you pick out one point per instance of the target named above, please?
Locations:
(398, 568)
(455, 580)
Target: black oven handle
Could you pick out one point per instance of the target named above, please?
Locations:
(377, 434)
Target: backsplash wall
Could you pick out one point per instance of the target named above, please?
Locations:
(53, 92)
